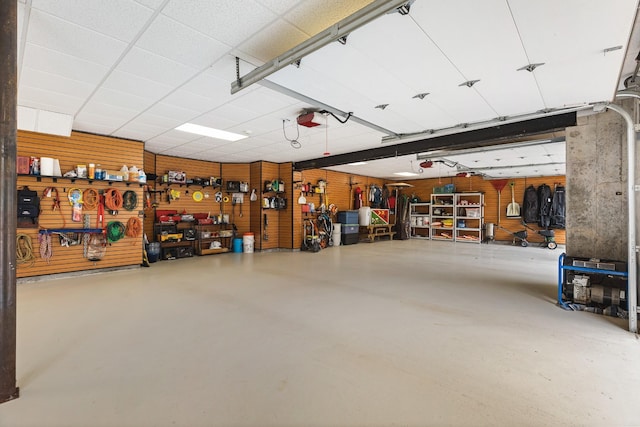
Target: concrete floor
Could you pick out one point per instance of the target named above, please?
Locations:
(403, 333)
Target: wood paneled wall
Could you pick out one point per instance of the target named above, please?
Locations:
(160, 165)
(110, 153)
(424, 187)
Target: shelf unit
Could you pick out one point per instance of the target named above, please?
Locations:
(209, 233)
(457, 217)
(420, 219)
(442, 211)
(469, 217)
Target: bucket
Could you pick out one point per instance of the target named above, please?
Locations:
(336, 236)
(237, 245)
(153, 252)
(247, 242)
(364, 215)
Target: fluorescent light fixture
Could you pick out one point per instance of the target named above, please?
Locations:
(211, 132)
(356, 164)
(405, 173)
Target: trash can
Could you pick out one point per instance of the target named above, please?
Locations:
(153, 251)
(237, 245)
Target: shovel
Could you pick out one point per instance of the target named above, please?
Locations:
(513, 209)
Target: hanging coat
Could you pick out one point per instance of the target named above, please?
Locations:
(544, 201)
(530, 211)
(558, 208)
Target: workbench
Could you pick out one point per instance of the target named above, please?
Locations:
(370, 232)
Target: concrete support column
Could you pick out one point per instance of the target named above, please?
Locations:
(597, 187)
(8, 207)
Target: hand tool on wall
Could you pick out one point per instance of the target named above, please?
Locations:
(265, 234)
(513, 209)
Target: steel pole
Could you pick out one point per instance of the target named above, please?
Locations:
(632, 283)
(8, 207)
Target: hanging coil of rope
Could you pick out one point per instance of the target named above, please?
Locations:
(129, 200)
(113, 199)
(90, 199)
(115, 231)
(24, 250)
(134, 227)
(46, 250)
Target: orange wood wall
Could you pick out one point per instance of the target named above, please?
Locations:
(110, 153)
(424, 187)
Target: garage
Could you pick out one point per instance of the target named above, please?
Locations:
(293, 213)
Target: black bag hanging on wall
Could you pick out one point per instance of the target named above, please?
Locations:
(530, 205)
(28, 207)
(558, 208)
(544, 199)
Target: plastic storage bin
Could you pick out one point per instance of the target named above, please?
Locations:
(350, 228)
(348, 217)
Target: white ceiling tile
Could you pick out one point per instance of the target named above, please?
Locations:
(67, 66)
(314, 16)
(91, 126)
(274, 40)
(152, 4)
(119, 99)
(228, 21)
(148, 119)
(56, 34)
(135, 134)
(135, 127)
(55, 83)
(110, 114)
(48, 100)
(181, 43)
(136, 85)
(174, 137)
(191, 101)
(157, 68)
(173, 112)
(120, 19)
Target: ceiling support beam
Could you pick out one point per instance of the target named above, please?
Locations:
(495, 135)
(8, 205)
(338, 30)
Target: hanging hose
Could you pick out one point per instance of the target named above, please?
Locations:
(115, 231)
(129, 200)
(90, 198)
(24, 250)
(134, 227)
(113, 199)
(46, 250)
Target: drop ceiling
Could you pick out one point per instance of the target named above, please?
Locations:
(138, 69)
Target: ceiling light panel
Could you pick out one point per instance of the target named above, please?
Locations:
(181, 43)
(120, 19)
